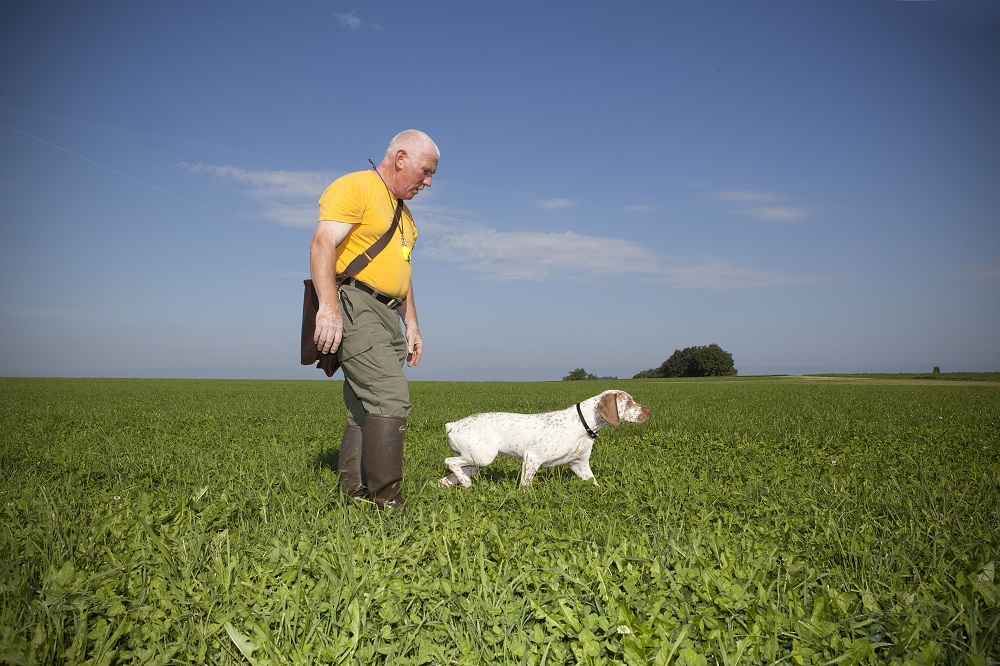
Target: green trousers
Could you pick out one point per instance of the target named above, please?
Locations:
(372, 355)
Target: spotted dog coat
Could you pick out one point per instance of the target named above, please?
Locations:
(564, 437)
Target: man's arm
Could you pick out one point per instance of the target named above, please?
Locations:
(323, 268)
(414, 343)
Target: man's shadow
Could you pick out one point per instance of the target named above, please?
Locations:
(327, 459)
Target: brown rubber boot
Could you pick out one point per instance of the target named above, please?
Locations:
(382, 459)
(352, 481)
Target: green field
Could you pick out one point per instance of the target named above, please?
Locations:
(748, 521)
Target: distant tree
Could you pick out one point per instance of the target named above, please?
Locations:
(711, 361)
(937, 370)
(706, 361)
(578, 374)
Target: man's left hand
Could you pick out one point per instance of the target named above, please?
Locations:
(414, 346)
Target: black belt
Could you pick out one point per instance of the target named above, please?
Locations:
(389, 301)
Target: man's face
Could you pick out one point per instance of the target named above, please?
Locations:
(416, 173)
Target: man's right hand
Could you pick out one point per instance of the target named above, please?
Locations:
(323, 269)
(329, 329)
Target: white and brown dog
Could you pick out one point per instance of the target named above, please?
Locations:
(565, 437)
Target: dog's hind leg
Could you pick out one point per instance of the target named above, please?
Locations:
(461, 472)
(450, 480)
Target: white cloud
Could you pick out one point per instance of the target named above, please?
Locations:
(288, 198)
(527, 255)
(776, 213)
(556, 203)
(276, 184)
(349, 20)
(291, 215)
(535, 256)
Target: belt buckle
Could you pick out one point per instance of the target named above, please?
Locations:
(385, 299)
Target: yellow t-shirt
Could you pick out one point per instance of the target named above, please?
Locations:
(361, 199)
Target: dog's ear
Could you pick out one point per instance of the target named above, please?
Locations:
(607, 407)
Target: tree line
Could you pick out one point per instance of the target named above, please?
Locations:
(702, 361)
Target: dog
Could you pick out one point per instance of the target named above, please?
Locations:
(563, 437)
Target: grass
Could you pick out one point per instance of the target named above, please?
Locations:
(750, 520)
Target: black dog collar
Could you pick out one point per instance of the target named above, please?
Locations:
(593, 435)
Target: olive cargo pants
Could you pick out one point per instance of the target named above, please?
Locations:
(372, 355)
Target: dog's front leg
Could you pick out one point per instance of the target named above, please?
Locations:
(529, 466)
(582, 469)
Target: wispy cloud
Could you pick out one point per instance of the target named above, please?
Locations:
(776, 213)
(353, 22)
(640, 208)
(526, 255)
(535, 256)
(287, 198)
(349, 20)
(550, 204)
(282, 184)
(771, 213)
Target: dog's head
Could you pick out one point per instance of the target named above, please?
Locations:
(617, 406)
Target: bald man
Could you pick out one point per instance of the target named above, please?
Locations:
(363, 318)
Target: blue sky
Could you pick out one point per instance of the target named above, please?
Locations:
(815, 186)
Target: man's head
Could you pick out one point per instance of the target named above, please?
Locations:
(410, 163)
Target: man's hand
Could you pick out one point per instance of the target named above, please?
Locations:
(414, 346)
(414, 343)
(329, 329)
(323, 269)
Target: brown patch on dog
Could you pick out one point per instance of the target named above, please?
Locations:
(607, 407)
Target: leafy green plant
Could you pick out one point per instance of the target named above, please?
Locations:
(750, 520)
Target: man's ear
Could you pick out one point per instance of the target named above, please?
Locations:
(400, 159)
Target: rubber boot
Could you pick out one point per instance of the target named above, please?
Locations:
(352, 481)
(382, 459)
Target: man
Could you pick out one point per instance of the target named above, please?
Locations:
(361, 316)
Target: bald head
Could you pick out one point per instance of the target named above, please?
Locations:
(409, 164)
(413, 142)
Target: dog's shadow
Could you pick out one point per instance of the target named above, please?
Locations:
(501, 474)
(497, 475)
